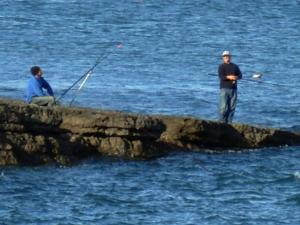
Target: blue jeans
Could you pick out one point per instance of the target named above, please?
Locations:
(228, 98)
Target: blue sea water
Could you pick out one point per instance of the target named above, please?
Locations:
(169, 50)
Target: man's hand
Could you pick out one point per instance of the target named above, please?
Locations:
(232, 77)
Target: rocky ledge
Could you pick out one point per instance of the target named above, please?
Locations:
(32, 135)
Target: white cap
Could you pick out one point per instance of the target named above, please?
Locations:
(226, 53)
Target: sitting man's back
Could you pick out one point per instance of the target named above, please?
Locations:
(35, 93)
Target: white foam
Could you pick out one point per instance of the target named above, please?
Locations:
(297, 175)
(257, 76)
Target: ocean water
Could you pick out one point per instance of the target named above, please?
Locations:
(171, 52)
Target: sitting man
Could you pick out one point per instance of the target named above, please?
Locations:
(35, 93)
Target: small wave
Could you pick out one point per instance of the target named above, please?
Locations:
(294, 198)
(9, 89)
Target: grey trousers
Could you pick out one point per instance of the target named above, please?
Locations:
(43, 101)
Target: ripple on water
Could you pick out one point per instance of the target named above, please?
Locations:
(170, 47)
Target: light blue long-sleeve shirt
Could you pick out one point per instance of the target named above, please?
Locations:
(35, 88)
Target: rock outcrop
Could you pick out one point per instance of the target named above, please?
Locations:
(32, 135)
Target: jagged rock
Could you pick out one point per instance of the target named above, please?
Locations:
(32, 135)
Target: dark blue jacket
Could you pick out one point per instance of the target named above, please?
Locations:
(225, 70)
(35, 88)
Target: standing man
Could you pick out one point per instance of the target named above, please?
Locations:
(229, 73)
(35, 93)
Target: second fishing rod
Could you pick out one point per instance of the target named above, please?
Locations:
(88, 73)
(257, 78)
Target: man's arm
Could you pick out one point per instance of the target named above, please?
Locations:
(47, 86)
(236, 76)
(223, 76)
(221, 73)
(36, 88)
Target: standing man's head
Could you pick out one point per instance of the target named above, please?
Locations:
(36, 71)
(226, 57)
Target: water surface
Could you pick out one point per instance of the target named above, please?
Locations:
(170, 48)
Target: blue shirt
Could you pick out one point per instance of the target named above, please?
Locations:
(35, 88)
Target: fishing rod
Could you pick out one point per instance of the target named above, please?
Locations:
(256, 78)
(88, 72)
(81, 77)
(80, 87)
